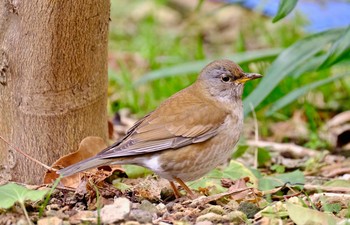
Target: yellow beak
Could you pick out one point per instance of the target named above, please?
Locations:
(248, 76)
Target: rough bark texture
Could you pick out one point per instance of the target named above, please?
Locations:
(53, 80)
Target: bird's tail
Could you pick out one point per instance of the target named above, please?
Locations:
(84, 165)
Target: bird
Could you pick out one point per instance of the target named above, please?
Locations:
(189, 134)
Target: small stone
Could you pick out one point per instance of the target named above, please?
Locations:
(87, 216)
(161, 208)
(170, 206)
(50, 221)
(53, 207)
(249, 209)
(214, 209)
(131, 223)
(22, 222)
(236, 217)
(181, 222)
(231, 205)
(148, 206)
(117, 211)
(167, 194)
(164, 223)
(344, 213)
(212, 217)
(50, 213)
(204, 223)
(83, 216)
(54, 213)
(141, 216)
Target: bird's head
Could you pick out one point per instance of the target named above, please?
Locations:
(225, 79)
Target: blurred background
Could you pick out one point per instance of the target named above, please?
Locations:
(158, 47)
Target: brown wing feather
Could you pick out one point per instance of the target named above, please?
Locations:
(189, 119)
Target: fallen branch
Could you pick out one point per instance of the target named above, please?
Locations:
(204, 200)
(316, 188)
(296, 150)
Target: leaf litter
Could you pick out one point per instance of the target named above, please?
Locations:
(293, 184)
(236, 194)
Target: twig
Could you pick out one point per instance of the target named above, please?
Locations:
(309, 187)
(336, 172)
(297, 150)
(25, 154)
(256, 132)
(205, 200)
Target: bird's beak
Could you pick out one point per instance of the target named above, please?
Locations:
(248, 76)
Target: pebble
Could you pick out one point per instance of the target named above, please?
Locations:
(22, 222)
(148, 206)
(83, 216)
(212, 217)
(141, 216)
(249, 209)
(236, 217)
(231, 205)
(204, 223)
(214, 209)
(116, 211)
(161, 208)
(131, 223)
(164, 223)
(50, 221)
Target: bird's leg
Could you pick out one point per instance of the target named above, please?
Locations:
(175, 190)
(184, 186)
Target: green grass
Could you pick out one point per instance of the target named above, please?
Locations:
(160, 45)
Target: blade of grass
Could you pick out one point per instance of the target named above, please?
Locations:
(292, 96)
(309, 66)
(288, 62)
(338, 51)
(199, 5)
(48, 196)
(196, 66)
(284, 8)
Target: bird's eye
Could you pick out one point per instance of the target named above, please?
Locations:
(225, 78)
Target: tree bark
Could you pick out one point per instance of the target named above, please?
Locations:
(53, 80)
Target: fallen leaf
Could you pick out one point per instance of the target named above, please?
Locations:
(337, 132)
(212, 181)
(270, 182)
(88, 147)
(293, 129)
(305, 216)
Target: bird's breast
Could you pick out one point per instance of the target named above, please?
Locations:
(194, 161)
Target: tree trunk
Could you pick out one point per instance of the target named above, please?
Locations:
(53, 80)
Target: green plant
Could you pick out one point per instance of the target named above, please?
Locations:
(11, 193)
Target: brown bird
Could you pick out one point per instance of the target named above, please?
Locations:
(189, 134)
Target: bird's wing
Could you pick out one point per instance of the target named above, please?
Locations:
(176, 123)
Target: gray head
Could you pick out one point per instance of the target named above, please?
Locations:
(225, 79)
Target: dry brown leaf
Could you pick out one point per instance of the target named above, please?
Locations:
(294, 129)
(240, 184)
(98, 181)
(337, 131)
(110, 130)
(88, 147)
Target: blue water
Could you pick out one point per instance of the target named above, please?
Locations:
(320, 14)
